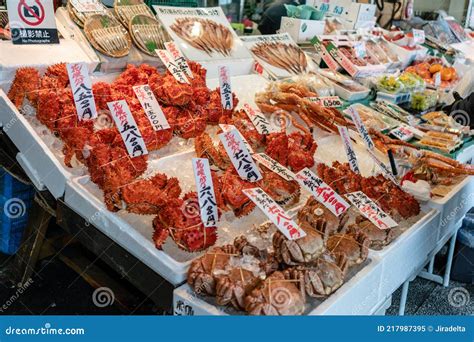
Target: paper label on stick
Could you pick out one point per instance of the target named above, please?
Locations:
(151, 107)
(385, 170)
(225, 88)
(370, 210)
(322, 192)
(81, 87)
(227, 128)
(179, 58)
(84, 6)
(327, 101)
(275, 213)
(351, 156)
(128, 128)
(364, 133)
(418, 36)
(172, 66)
(240, 156)
(261, 123)
(274, 166)
(205, 191)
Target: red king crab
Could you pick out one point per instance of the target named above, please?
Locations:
(25, 85)
(205, 148)
(355, 247)
(285, 193)
(180, 219)
(215, 111)
(275, 296)
(322, 278)
(241, 121)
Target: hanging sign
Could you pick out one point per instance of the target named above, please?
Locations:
(172, 66)
(81, 86)
(275, 213)
(179, 58)
(364, 133)
(205, 190)
(32, 22)
(151, 107)
(261, 123)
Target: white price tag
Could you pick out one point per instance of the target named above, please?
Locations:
(151, 107)
(360, 50)
(275, 213)
(261, 123)
(81, 86)
(361, 128)
(418, 36)
(228, 128)
(240, 156)
(274, 166)
(172, 66)
(403, 132)
(179, 58)
(128, 128)
(225, 88)
(322, 192)
(385, 170)
(205, 191)
(370, 210)
(351, 156)
(327, 101)
(84, 6)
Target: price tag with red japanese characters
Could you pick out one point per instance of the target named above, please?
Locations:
(327, 101)
(385, 170)
(240, 156)
(227, 128)
(403, 132)
(322, 192)
(205, 190)
(419, 36)
(325, 56)
(351, 156)
(370, 210)
(172, 66)
(259, 120)
(128, 128)
(274, 166)
(179, 58)
(275, 213)
(81, 87)
(225, 88)
(364, 133)
(151, 107)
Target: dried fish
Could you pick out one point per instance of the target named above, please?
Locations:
(284, 56)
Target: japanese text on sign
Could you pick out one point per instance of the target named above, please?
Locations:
(81, 86)
(151, 107)
(327, 101)
(225, 88)
(261, 123)
(326, 57)
(128, 128)
(205, 191)
(351, 156)
(275, 213)
(403, 132)
(240, 156)
(361, 128)
(228, 128)
(418, 36)
(342, 59)
(172, 66)
(274, 166)
(179, 58)
(188, 11)
(370, 210)
(322, 192)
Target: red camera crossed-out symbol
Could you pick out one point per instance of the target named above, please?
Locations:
(31, 14)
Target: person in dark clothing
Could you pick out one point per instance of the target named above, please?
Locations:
(271, 18)
(462, 110)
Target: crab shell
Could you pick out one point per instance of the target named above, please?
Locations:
(314, 212)
(285, 193)
(379, 238)
(204, 271)
(275, 296)
(232, 288)
(232, 186)
(25, 84)
(169, 91)
(300, 251)
(205, 148)
(355, 247)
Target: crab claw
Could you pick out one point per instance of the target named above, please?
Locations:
(160, 234)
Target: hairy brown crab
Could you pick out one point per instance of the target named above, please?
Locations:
(354, 246)
(315, 214)
(379, 238)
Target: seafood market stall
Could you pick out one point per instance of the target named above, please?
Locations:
(244, 176)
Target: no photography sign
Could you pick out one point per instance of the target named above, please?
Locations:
(32, 22)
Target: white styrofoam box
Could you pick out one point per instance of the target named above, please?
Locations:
(41, 161)
(302, 30)
(358, 296)
(30, 172)
(365, 24)
(407, 253)
(382, 307)
(359, 12)
(454, 206)
(407, 56)
(237, 67)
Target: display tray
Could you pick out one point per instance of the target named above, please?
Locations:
(357, 296)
